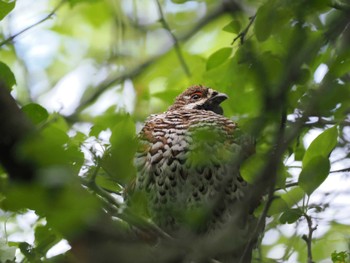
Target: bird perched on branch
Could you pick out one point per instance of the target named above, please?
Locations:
(188, 166)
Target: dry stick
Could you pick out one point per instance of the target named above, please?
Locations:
(51, 14)
(176, 42)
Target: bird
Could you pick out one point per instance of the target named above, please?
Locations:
(187, 164)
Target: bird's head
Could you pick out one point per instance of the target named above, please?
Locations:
(200, 98)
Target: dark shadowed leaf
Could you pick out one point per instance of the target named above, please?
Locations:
(45, 238)
(6, 75)
(35, 113)
(291, 215)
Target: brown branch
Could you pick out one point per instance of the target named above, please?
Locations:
(175, 40)
(243, 34)
(51, 14)
(308, 237)
(118, 210)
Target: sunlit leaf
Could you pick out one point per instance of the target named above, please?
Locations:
(286, 200)
(74, 2)
(322, 146)
(233, 27)
(5, 8)
(314, 173)
(251, 167)
(218, 57)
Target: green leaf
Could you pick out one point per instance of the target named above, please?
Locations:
(262, 26)
(339, 257)
(179, 1)
(35, 113)
(45, 238)
(233, 27)
(108, 184)
(74, 2)
(271, 18)
(47, 148)
(299, 151)
(7, 76)
(118, 162)
(291, 215)
(218, 57)
(314, 173)
(28, 251)
(250, 167)
(6, 8)
(7, 253)
(322, 145)
(286, 201)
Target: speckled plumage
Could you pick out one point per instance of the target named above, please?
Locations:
(188, 161)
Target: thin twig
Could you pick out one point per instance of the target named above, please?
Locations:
(118, 210)
(51, 14)
(243, 34)
(176, 42)
(341, 170)
(308, 238)
(287, 186)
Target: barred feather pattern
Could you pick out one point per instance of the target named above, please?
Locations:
(187, 160)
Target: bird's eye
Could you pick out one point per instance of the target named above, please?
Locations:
(196, 96)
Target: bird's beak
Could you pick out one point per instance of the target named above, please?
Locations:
(213, 104)
(217, 98)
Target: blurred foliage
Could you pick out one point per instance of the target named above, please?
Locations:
(284, 65)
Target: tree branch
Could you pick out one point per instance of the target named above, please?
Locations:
(308, 238)
(51, 14)
(120, 211)
(241, 36)
(175, 40)
(341, 170)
